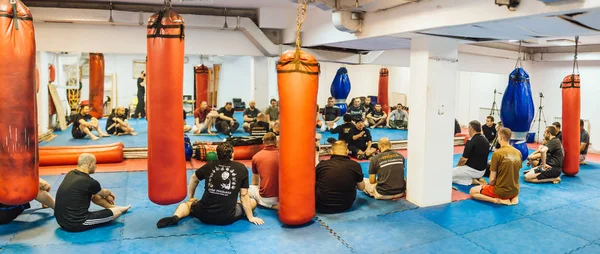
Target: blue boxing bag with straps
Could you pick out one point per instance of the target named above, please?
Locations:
(340, 88)
(517, 110)
(188, 147)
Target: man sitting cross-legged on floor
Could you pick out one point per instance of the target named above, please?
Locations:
(84, 124)
(377, 117)
(225, 180)
(552, 156)
(361, 144)
(10, 212)
(117, 123)
(204, 119)
(386, 173)
(472, 164)
(337, 180)
(265, 171)
(75, 193)
(504, 174)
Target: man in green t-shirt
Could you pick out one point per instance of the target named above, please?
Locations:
(272, 113)
(504, 174)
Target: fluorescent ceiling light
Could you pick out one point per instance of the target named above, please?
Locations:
(562, 42)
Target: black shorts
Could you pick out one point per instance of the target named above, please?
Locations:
(8, 214)
(549, 173)
(196, 212)
(78, 134)
(92, 220)
(354, 149)
(115, 130)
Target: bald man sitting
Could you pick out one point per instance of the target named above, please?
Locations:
(74, 195)
(337, 180)
(250, 115)
(386, 173)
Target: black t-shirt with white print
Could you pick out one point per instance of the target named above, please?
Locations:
(224, 179)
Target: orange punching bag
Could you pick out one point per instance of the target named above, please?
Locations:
(382, 93)
(52, 77)
(164, 86)
(571, 112)
(298, 82)
(19, 179)
(96, 99)
(201, 78)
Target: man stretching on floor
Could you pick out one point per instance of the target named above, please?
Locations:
(504, 175)
(386, 173)
(260, 127)
(361, 145)
(225, 180)
(584, 138)
(204, 118)
(337, 181)
(472, 164)
(75, 193)
(226, 123)
(250, 115)
(330, 115)
(265, 173)
(84, 124)
(117, 123)
(10, 212)
(377, 117)
(551, 156)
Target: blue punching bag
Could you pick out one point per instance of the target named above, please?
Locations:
(188, 147)
(517, 110)
(340, 88)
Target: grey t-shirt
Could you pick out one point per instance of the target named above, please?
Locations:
(398, 115)
(273, 113)
(556, 155)
(389, 167)
(585, 138)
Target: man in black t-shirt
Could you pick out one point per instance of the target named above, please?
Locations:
(489, 129)
(10, 212)
(386, 173)
(226, 123)
(369, 107)
(559, 134)
(117, 123)
(376, 117)
(361, 145)
(84, 124)
(260, 127)
(75, 193)
(471, 166)
(250, 115)
(225, 180)
(337, 181)
(330, 115)
(357, 112)
(140, 109)
(344, 129)
(551, 158)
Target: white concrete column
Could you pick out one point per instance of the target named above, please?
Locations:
(433, 70)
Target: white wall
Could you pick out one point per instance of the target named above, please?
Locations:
(236, 79)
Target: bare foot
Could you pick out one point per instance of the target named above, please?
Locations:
(582, 163)
(133, 134)
(514, 201)
(124, 209)
(503, 201)
(94, 138)
(556, 180)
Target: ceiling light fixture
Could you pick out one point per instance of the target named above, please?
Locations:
(225, 26)
(510, 4)
(110, 19)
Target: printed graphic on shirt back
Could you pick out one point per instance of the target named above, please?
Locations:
(222, 180)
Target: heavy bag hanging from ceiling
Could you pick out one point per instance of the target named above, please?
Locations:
(340, 88)
(382, 93)
(19, 182)
(164, 87)
(298, 82)
(96, 99)
(201, 78)
(571, 113)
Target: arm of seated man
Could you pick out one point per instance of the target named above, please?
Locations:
(360, 185)
(245, 198)
(373, 178)
(192, 186)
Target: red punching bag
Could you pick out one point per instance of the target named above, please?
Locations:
(96, 99)
(51, 78)
(201, 78)
(164, 87)
(298, 82)
(571, 112)
(19, 180)
(382, 94)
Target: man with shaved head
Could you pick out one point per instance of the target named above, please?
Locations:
(75, 193)
(250, 115)
(386, 173)
(337, 180)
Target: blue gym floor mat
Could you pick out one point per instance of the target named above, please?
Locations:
(592, 203)
(459, 245)
(590, 249)
(525, 236)
(210, 243)
(389, 233)
(577, 220)
(109, 247)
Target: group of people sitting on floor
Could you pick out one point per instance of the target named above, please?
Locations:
(503, 169)
(116, 124)
(372, 115)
